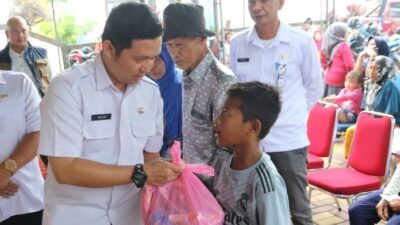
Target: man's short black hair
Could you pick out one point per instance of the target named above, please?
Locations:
(130, 21)
(258, 101)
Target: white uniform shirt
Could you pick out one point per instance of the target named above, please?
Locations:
(85, 116)
(289, 62)
(19, 115)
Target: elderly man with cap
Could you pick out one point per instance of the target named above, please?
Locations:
(204, 79)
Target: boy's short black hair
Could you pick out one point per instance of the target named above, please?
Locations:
(130, 21)
(258, 101)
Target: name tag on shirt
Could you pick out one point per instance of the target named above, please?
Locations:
(101, 117)
(243, 59)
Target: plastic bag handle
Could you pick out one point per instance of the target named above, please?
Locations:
(194, 168)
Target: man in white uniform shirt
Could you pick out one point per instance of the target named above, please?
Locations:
(21, 183)
(275, 53)
(103, 126)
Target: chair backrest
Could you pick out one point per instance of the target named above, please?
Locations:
(370, 148)
(321, 128)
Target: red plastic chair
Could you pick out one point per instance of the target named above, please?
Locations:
(368, 161)
(321, 131)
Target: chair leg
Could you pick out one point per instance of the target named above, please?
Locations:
(337, 203)
(349, 201)
(309, 193)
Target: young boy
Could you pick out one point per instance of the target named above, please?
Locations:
(246, 182)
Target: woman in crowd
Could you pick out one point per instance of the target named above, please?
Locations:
(381, 94)
(169, 79)
(375, 46)
(336, 58)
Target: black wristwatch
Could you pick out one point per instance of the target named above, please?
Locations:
(139, 177)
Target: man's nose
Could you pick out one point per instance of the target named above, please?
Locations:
(147, 66)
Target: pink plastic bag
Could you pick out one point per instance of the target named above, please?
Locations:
(183, 201)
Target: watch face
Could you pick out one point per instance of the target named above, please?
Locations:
(139, 176)
(10, 165)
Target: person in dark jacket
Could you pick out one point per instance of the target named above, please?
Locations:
(19, 55)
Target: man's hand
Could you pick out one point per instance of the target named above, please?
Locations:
(9, 190)
(382, 209)
(4, 177)
(394, 205)
(160, 172)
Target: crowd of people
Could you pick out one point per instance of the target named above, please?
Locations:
(104, 128)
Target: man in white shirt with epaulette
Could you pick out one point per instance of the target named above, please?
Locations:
(277, 54)
(102, 126)
(21, 183)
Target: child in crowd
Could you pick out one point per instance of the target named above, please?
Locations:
(349, 98)
(246, 182)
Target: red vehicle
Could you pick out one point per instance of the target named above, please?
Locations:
(387, 14)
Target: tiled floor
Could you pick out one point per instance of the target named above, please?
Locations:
(323, 206)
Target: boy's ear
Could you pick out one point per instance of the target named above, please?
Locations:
(255, 126)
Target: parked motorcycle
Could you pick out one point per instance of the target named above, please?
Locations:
(78, 56)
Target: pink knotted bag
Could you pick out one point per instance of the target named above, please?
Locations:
(182, 201)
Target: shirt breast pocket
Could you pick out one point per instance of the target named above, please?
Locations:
(101, 129)
(243, 71)
(143, 127)
(286, 74)
(12, 116)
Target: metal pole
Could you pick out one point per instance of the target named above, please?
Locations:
(327, 14)
(222, 32)
(57, 37)
(244, 11)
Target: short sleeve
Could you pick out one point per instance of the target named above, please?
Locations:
(273, 204)
(32, 101)
(61, 127)
(155, 142)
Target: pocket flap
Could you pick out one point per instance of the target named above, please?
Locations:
(143, 128)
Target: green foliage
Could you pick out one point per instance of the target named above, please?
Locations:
(68, 31)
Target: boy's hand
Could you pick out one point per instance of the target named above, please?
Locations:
(160, 172)
(394, 205)
(382, 209)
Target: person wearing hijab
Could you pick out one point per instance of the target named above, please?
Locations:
(381, 94)
(169, 80)
(375, 46)
(336, 58)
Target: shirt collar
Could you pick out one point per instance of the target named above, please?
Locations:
(102, 78)
(281, 36)
(198, 73)
(14, 54)
(2, 79)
